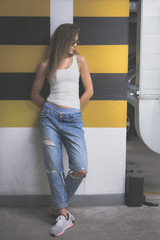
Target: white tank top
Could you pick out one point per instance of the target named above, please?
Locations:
(64, 88)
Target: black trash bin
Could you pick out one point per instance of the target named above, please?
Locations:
(134, 187)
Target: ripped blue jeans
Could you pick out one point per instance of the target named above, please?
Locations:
(62, 125)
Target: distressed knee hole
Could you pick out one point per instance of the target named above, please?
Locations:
(48, 142)
(79, 173)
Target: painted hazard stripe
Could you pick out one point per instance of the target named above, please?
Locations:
(25, 30)
(17, 86)
(102, 30)
(105, 114)
(95, 114)
(105, 58)
(108, 86)
(101, 8)
(100, 58)
(21, 58)
(39, 8)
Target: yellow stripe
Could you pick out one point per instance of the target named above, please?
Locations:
(101, 8)
(105, 58)
(100, 58)
(18, 113)
(95, 114)
(25, 8)
(20, 58)
(105, 114)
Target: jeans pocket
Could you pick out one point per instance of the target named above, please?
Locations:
(44, 112)
(77, 117)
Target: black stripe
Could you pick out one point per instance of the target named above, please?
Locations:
(17, 86)
(25, 30)
(108, 86)
(103, 30)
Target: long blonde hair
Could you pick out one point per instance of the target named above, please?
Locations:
(61, 41)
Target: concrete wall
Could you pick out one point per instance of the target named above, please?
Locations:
(104, 43)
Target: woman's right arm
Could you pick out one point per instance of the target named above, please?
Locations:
(38, 84)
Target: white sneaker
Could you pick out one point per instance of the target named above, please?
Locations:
(55, 214)
(62, 224)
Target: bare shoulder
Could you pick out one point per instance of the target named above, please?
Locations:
(81, 60)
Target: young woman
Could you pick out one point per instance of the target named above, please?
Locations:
(60, 119)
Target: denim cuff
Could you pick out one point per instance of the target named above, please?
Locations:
(56, 207)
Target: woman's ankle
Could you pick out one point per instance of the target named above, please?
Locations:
(63, 211)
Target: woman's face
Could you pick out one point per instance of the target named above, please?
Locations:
(74, 45)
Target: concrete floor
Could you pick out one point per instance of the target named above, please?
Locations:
(92, 223)
(104, 223)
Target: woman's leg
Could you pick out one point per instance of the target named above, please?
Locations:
(74, 142)
(52, 150)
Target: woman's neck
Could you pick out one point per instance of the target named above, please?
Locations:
(68, 56)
